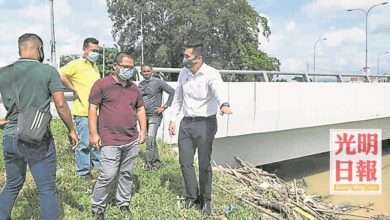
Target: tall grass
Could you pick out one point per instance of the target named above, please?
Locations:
(157, 194)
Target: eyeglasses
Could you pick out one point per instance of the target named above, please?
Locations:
(127, 67)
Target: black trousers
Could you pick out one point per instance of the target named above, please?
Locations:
(197, 133)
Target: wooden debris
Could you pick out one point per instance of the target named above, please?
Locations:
(278, 199)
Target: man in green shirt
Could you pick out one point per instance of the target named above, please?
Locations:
(24, 84)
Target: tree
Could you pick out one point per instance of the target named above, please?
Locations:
(65, 59)
(109, 55)
(228, 29)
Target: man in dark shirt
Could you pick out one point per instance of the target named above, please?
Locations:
(24, 84)
(152, 90)
(120, 105)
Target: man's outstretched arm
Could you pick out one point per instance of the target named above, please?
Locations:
(64, 113)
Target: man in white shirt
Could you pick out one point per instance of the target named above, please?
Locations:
(199, 96)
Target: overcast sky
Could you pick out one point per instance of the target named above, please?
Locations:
(295, 25)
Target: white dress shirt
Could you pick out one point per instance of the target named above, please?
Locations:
(199, 94)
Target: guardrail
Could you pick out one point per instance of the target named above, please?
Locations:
(278, 76)
(170, 74)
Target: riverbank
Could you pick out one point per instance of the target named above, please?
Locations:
(313, 171)
(157, 194)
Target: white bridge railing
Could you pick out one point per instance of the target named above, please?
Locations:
(278, 76)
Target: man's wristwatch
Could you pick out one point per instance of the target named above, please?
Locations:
(225, 104)
(165, 107)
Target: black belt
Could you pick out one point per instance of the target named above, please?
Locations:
(199, 118)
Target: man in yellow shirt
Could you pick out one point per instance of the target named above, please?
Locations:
(79, 76)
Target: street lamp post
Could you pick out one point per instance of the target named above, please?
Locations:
(315, 51)
(367, 12)
(379, 61)
(104, 60)
(146, 8)
(53, 58)
(142, 39)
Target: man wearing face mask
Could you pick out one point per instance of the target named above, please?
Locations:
(27, 84)
(152, 90)
(199, 95)
(79, 75)
(120, 105)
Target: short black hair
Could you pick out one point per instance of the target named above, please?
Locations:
(89, 40)
(146, 65)
(30, 37)
(120, 55)
(197, 48)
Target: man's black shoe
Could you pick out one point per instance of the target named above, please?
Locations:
(206, 208)
(125, 212)
(191, 203)
(124, 209)
(156, 165)
(148, 167)
(99, 214)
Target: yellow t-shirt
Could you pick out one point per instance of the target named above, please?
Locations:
(83, 74)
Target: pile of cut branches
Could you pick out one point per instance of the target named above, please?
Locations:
(278, 199)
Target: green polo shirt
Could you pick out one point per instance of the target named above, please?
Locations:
(32, 81)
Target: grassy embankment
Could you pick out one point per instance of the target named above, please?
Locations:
(157, 194)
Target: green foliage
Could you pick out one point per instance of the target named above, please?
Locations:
(157, 194)
(222, 25)
(250, 56)
(65, 59)
(109, 55)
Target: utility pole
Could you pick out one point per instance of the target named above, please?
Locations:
(378, 65)
(142, 39)
(104, 60)
(53, 57)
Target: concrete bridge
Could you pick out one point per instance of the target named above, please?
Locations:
(276, 121)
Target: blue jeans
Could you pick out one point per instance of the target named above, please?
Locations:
(152, 154)
(17, 155)
(85, 156)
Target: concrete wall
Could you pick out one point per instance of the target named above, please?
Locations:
(268, 107)
(276, 117)
(270, 147)
(279, 121)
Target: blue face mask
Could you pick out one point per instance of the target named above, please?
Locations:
(93, 56)
(126, 74)
(188, 63)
